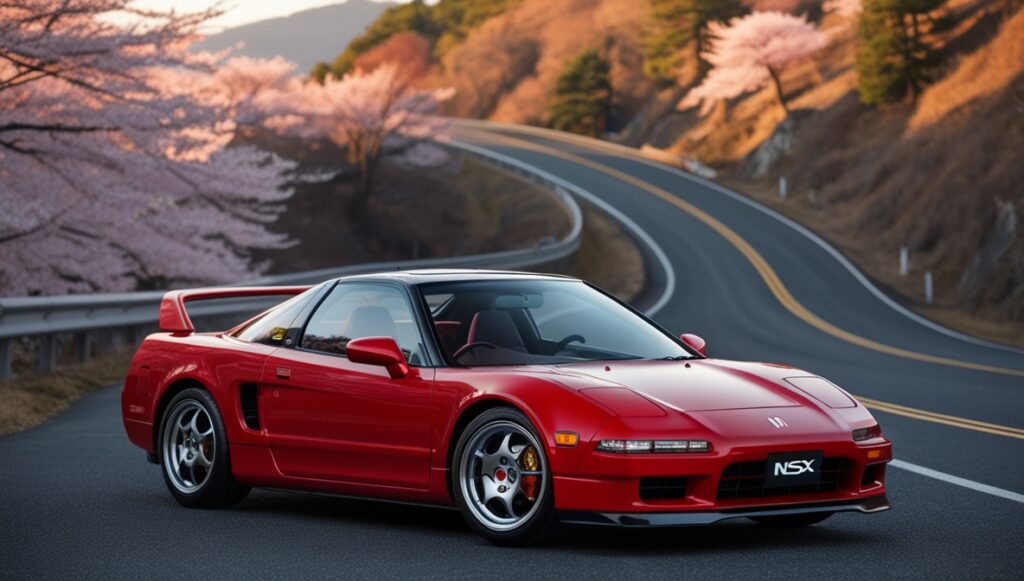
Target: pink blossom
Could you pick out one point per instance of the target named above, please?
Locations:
(751, 51)
(115, 169)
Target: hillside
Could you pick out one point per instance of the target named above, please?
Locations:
(940, 175)
(304, 37)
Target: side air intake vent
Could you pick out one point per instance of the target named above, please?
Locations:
(250, 409)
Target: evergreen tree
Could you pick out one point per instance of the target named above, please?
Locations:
(682, 22)
(319, 72)
(444, 24)
(897, 53)
(415, 16)
(583, 96)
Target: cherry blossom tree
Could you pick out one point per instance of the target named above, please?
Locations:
(115, 170)
(751, 51)
(369, 114)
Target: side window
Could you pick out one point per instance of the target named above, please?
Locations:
(273, 327)
(355, 310)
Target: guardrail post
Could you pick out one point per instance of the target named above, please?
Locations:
(135, 335)
(47, 353)
(83, 346)
(5, 359)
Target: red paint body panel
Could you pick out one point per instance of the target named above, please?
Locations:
(332, 425)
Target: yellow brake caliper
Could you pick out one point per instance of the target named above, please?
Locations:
(530, 462)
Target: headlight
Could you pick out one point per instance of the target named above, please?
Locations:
(862, 434)
(648, 446)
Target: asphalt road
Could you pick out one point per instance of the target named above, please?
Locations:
(78, 501)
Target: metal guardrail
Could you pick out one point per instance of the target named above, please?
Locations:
(84, 314)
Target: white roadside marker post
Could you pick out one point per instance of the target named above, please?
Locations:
(782, 187)
(904, 261)
(929, 289)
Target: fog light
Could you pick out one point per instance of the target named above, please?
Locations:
(862, 434)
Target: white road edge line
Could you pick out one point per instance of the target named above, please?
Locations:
(671, 281)
(659, 254)
(635, 155)
(985, 488)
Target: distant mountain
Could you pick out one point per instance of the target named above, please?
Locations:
(304, 37)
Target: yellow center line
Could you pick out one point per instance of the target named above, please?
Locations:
(767, 273)
(938, 418)
(782, 294)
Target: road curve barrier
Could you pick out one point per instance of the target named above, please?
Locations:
(120, 317)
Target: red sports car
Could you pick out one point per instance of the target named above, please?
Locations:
(526, 400)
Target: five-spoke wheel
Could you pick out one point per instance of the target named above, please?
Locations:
(189, 446)
(194, 452)
(501, 478)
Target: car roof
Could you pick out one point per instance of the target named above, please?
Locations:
(423, 276)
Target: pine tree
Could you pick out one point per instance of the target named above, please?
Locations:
(897, 53)
(682, 22)
(583, 96)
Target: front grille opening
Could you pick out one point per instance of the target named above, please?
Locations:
(871, 474)
(662, 488)
(746, 480)
(250, 409)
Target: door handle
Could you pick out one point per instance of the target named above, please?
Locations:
(283, 373)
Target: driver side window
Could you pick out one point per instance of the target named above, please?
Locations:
(355, 310)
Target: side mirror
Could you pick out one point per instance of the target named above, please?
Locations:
(694, 342)
(381, 351)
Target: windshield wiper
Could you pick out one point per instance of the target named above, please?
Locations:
(676, 358)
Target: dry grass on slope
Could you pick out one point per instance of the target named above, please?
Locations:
(33, 398)
(506, 68)
(941, 177)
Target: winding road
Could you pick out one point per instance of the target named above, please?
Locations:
(77, 501)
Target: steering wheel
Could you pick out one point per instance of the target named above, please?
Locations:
(470, 346)
(565, 342)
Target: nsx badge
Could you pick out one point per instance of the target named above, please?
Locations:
(793, 469)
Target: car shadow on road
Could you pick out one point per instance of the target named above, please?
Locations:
(738, 536)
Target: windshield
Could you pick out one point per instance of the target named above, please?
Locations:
(539, 322)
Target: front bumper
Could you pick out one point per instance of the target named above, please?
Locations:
(697, 518)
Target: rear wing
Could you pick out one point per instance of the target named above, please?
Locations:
(174, 318)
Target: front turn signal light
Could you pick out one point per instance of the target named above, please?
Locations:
(862, 434)
(567, 438)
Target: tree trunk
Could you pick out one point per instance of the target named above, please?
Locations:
(778, 89)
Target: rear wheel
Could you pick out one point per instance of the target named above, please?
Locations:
(194, 453)
(793, 520)
(501, 480)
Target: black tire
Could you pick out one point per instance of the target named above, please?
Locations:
(538, 526)
(218, 487)
(790, 521)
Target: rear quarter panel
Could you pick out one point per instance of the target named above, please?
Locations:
(167, 363)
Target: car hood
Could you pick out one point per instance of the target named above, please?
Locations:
(690, 386)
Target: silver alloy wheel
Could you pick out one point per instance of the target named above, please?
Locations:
(491, 475)
(189, 446)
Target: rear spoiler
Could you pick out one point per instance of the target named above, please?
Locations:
(174, 318)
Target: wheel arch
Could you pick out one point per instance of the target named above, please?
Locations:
(469, 413)
(169, 393)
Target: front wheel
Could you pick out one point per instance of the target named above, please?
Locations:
(501, 480)
(194, 453)
(793, 520)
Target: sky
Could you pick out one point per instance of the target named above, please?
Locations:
(240, 11)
